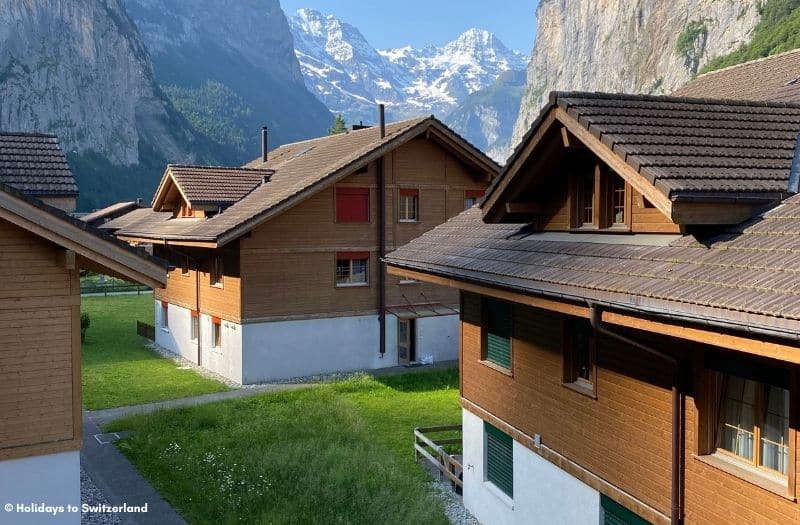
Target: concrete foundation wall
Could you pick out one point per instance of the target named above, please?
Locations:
(51, 479)
(543, 493)
(177, 338)
(227, 359)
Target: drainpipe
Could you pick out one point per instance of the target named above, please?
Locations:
(676, 510)
(382, 236)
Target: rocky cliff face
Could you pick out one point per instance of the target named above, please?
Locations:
(77, 68)
(634, 46)
(243, 52)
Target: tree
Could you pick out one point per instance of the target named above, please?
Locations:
(339, 125)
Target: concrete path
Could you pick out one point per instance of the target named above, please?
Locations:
(121, 483)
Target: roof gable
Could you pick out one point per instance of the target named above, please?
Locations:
(34, 163)
(682, 154)
(207, 186)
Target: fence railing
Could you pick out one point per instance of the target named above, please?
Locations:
(110, 288)
(443, 453)
(146, 330)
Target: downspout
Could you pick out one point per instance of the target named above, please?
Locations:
(676, 510)
(382, 237)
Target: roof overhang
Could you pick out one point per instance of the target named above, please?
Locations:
(85, 241)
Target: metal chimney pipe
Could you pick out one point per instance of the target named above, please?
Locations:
(382, 119)
(264, 144)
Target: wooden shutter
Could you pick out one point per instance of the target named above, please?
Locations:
(348, 256)
(473, 194)
(498, 333)
(615, 514)
(352, 205)
(499, 459)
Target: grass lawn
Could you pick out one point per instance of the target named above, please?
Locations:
(119, 369)
(335, 453)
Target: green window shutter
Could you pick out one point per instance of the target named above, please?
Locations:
(498, 333)
(616, 514)
(499, 459)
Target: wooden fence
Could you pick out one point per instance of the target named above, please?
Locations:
(434, 450)
(146, 330)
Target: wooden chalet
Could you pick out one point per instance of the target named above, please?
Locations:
(34, 164)
(630, 315)
(277, 268)
(42, 250)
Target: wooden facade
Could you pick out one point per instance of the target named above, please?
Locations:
(284, 269)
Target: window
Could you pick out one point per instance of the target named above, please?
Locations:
(408, 206)
(579, 355)
(352, 205)
(600, 199)
(471, 198)
(216, 332)
(499, 459)
(612, 513)
(164, 315)
(754, 423)
(497, 333)
(351, 268)
(185, 266)
(195, 325)
(215, 275)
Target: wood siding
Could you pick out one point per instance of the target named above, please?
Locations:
(622, 436)
(288, 263)
(40, 355)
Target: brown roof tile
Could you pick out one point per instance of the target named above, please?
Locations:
(216, 185)
(34, 164)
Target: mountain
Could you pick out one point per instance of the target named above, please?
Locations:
(78, 68)
(229, 67)
(351, 77)
(633, 46)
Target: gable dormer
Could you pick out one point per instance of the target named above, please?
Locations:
(597, 161)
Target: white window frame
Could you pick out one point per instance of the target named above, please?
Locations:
(404, 209)
(350, 282)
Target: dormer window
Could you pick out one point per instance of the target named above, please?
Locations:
(601, 200)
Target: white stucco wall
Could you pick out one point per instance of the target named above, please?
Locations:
(437, 337)
(227, 359)
(178, 337)
(543, 493)
(51, 479)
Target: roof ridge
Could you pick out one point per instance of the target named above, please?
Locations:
(742, 64)
(225, 168)
(28, 134)
(556, 95)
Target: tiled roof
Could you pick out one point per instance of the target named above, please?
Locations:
(34, 164)
(142, 218)
(689, 148)
(772, 78)
(216, 185)
(747, 273)
(111, 211)
(299, 168)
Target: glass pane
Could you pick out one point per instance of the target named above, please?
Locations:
(359, 269)
(775, 431)
(618, 200)
(587, 200)
(737, 417)
(342, 271)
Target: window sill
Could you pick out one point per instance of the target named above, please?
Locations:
(409, 282)
(216, 285)
(498, 368)
(165, 330)
(499, 494)
(582, 387)
(408, 221)
(351, 285)
(751, 475)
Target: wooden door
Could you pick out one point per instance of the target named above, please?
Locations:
(405, 341)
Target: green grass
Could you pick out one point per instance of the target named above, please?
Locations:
(335, 453)
(119, 369)
(778, 30)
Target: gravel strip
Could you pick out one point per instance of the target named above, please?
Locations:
(91, 494)
(452, 503)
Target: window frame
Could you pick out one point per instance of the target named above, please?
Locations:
(350, 257)
(602, 178)
(500, 437)
(570, 374)
(475, 195)
(402, 208)
(216, 271)
(164, 315)
(216, 333)
(194, 326)
(185, 267)
(484, 358)
(352, 191)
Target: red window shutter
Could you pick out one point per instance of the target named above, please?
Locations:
(405, 192)
(164, 304)
(346, 256)
(352, 204)
(216, 320)
(194, 313)
(474, 194)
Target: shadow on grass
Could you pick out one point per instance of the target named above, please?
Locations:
(422, 381)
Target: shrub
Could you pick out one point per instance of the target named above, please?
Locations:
(85, 322)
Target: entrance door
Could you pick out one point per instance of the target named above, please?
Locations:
(405, 341)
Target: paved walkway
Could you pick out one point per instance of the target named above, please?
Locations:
(121, 483)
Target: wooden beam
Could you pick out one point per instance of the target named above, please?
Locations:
(781, 352)
(633, 177)
(529, 300)
(565, 137)
(65, 259)
(523, 207)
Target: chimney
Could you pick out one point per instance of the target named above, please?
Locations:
(360, 125)
(264, 144)
(382, 119)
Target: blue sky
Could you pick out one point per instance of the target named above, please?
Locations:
(419, 22)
